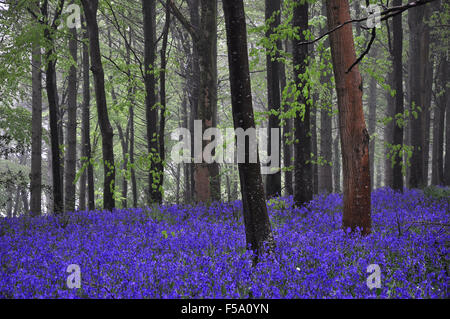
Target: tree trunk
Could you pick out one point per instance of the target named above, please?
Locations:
(372, 120)
(439, 122)
(162, 121)
(315, 167)
(287, 138)
(272, 11)
(71, 133)
(88, 174)
(397, 172)
(303, 145)
(417, 51)
(149, 16)
(326, 138)
(36, 135)
(194, 88)
(337, 160)
(354, 135)
(90, 10)
(256, 219)
(52, 95)
(389, 133)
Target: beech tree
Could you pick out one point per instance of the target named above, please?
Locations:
(354, 135)
(303, 188)
(109, 170)
(256, 219)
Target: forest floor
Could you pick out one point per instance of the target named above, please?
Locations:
(199, 252)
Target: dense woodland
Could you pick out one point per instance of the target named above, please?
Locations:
(94, 94)
(91, 91)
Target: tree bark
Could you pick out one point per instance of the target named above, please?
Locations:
(149, 16)
(439, 121)
(71, 133)
(256, 219)
(52, 95)
(326, 138)
(397, 172)
(372, 121)
(87, 179)
(287, 138)
(303, 145)
(90, 10)
(272, 11)
(162, 121)
(354, 135)
(417, 49)
(36, 135)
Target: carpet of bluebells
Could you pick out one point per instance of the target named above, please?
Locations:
(199, 252)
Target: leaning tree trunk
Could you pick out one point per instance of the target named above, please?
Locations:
(354, 135)
(303, 181)
(272, 13)
(71, 133)
(256, 219)
(90, 11)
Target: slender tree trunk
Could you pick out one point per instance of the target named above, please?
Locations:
(149, 15)
(87, 178)
(315, 167)
(36, 135)
(337, 160)
(272, 13)
(302, 125)
(446, 105)
(162, 121)
(194, 87)
(326, 138)
(439, 122)
(372, 120)
(287, 138)
(397, 172)
(71, 133)
(428, 88)
(90, 10)
(416, 78)
(389, 133)
(354, 135)
(256, 219)
(131, 93)
(52, 93)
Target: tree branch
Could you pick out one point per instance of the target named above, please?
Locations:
(183, 20)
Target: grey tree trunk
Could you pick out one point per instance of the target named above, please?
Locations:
(272, 13)
(303, 192)
(36, 134)
(71, 133)
(256, 219)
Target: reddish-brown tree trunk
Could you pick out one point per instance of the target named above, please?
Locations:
(354, 135)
